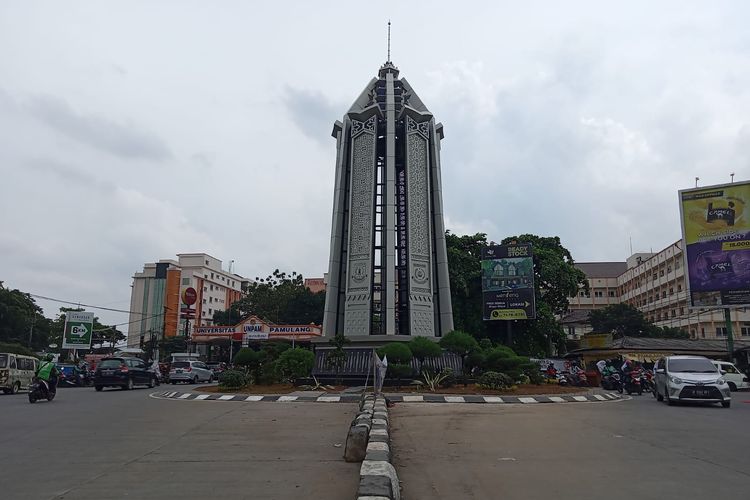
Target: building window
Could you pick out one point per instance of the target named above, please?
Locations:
(682, 311)
(745, 330)
(572, 331)
(671, 291)
(676, 265)
(669, 269)
(212, 275)
(210, 300)
(204, 301)
(661, 273)
(206, 262)
(185, 281)
(612, 293)
(679, 288)
(664, 294)
(212, 288)
(721, 331)
(703, 333)
(205, 288)
(232, 282)
(210, 311)
(674, 313)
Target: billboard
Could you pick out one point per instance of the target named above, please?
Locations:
(79, 326)
(716, 235)
(508, 282)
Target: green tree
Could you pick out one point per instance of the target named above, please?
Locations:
(399, 360)
(423, 349)
(249, 360)
(21, 318)
(555, 280)
(296, 363)
(625, 320)
(279, 298)
(465, 272)
(461, 344)
(336, 357)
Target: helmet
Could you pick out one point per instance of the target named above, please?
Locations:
(49, 357)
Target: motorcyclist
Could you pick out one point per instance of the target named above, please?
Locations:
(48, 372)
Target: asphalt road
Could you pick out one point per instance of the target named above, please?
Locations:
(124, 444)
(616, 450)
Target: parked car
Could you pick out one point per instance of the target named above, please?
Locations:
(124, 372)
(190, 372)
(737, 380)
(690, 378)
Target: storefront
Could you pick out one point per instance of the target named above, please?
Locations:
(219, 343)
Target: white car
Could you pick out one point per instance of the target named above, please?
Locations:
(690, 378)
(735, 378)
(190, 372)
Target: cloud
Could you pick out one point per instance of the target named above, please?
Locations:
(122, 140)
(67, 173)
(312, 113)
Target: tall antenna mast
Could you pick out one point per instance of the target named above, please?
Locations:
(389, 41)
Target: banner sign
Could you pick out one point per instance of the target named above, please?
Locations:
(207, 330)
(78, 329)
(508, 282)
(716, 235)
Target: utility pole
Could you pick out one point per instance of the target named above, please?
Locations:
(31, 327)
(730, 336)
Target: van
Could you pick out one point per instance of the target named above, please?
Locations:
(737, 380)
(16, 372)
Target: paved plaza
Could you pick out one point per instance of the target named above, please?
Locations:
(118, 444)
(615, 450)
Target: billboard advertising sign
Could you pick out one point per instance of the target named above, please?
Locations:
(78, 329)
(716, 235)
(508, 282)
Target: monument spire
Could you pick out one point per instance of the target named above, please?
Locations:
(389, 41)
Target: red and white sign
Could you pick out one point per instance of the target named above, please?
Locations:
(189, 296)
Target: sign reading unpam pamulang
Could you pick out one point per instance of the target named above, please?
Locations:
(716, 236)
(508, 282)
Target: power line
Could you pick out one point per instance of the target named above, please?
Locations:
(128, 323)
(86, 305)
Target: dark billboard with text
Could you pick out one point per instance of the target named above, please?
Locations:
(508, 282)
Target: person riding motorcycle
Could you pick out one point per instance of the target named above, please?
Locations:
(48, 372)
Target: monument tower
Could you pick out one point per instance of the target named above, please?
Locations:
(388, 268)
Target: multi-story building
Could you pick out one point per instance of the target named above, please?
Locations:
(155, 299)
(603, 291)
(655, 284)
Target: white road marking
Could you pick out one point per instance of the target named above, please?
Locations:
(287, 398)
(328, 399)
(454, 399)
(492, 399)
(600, 397)
(528, 400)
(184, 396)
(413, 399)
(202, 397)
(556, 399)
(580, 398)
(227, 397)
(254, 398)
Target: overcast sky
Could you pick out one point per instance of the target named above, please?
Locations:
(133, 131)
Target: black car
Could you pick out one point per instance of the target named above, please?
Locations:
(125, 373)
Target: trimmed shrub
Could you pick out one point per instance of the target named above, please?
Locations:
(495, 381)
(268, 374)
(423, 349)
(397, 352)
(232, 379)
(535, 376)
(295, 363)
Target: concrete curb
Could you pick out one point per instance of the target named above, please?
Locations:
(416, 398)
(563, 398)
(377, 476)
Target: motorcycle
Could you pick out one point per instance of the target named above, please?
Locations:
(612, 382)
(647, 381)
(579, 379)
(41, 389)
(633, 383)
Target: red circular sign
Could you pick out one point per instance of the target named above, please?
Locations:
(189, 296)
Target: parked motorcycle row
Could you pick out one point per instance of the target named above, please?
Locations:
(634, 382)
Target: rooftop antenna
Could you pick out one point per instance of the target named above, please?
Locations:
(696, 181)
(732, 176)
(389, 41)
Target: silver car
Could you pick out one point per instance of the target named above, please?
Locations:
(190, 372)
(690, 378)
